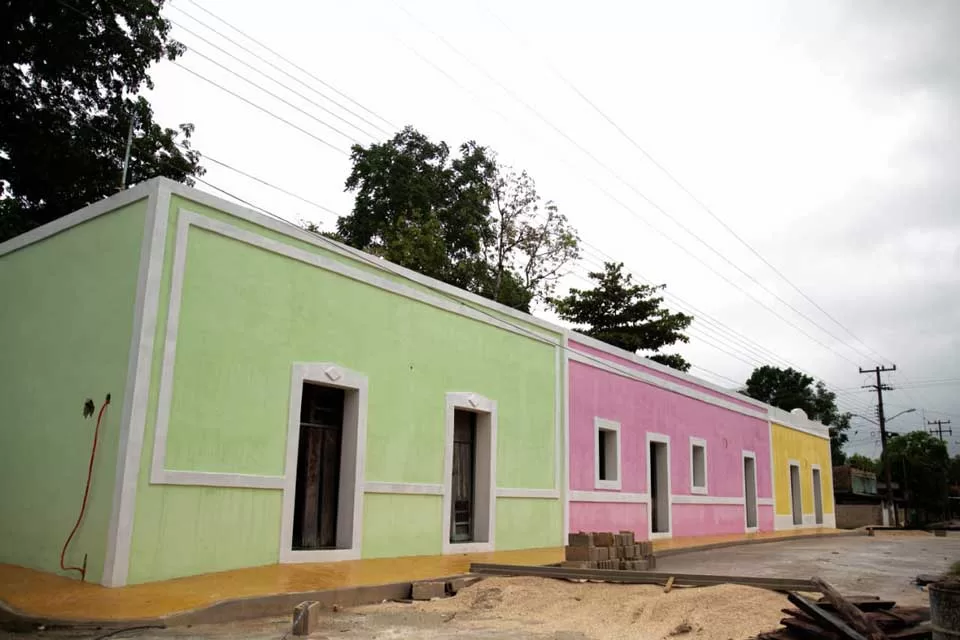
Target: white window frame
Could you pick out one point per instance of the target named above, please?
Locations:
(744, 455)
(485, 468)
(614, 427)
(694, 488)
(352, 459)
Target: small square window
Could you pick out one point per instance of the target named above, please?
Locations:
(607, 448)
(698, 465)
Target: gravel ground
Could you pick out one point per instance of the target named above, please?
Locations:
(534, 608)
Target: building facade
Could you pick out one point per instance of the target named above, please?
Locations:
(661, 453)
(802, 471)
(277, 397)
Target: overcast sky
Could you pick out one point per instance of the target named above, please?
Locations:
(824, 133)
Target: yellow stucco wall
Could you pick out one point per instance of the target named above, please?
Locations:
(808, 450)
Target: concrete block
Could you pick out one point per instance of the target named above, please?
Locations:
(603, 553)
(629, 553)
(580, 539)
(306, 618)
(455, 585)
(604, 539)
(586, 554)
(651, 562)
(574, 564)
(628, 537)
(428, 590)
(644, 549)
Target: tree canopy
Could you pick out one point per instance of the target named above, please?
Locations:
(69, 78)
(920, 464)
(628, 315)
(459, 217)
(862, 462)
(789, 389)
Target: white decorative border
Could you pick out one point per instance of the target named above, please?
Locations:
(610, 497)
(352, 461)
(601, 424)
(664, 439)
(404, 488)
(140, 359)
(699, 442)
(485, 518)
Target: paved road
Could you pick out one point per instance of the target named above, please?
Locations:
(883, 565)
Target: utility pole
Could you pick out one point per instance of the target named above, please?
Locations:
(880, 387)
(126, 155)
(940, 430)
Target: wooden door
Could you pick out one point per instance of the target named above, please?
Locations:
(318, 468)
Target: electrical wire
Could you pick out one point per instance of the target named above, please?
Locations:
(633, 188)
(292, 64)
(687, 191)
(86, 495)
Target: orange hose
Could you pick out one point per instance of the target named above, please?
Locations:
(86, 494)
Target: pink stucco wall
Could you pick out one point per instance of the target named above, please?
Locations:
(642, 408)
(659, 374)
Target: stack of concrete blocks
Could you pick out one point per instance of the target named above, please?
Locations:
(618, 551)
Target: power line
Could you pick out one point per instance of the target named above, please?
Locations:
(687, 191)
(258, 107)
(265, 75)
(633, 188)
(292, 64)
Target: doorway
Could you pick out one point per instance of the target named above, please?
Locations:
(659, 487)
(750, 489)
(316, 502)
(817, 496)
(463, 481)
(795, 498)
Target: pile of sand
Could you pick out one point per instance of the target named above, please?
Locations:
(612, 610)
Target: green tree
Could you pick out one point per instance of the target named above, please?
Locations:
(530, 246)
(626, 315)
(862, 462)
(920, 464)
(69, 79)
(789, 389)
(460, 218)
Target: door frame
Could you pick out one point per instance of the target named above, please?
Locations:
(798, 500)
(658, 438)
(745, 455)
(352, 457)
(485, 470)
(818, 515)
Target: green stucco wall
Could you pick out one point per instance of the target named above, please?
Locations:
(247, 314)
(65, 336)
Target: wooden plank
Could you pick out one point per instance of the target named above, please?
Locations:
(641, 577)
(807, 629)
(864, 603)
(825, 618)
(849, 612)
(669, 585)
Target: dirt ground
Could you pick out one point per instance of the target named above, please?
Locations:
(516, 608)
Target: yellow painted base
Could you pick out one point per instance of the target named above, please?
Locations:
(45, 595)
(40, 594)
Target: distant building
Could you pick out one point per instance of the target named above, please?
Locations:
(860, 498)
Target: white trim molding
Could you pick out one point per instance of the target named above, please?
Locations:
(608, 426)
(660, 438)
(694, 487)
(610, 497)
(765, 502)
(116, 565)
(533, 494)
(485, 470)
(714, 500)
(403, 488)
(352, 461)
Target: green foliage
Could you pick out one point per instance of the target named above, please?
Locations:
(460, 218)
(68, 84)
(919, 462)
(789, 389)
(858, 461)
(625, 314)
